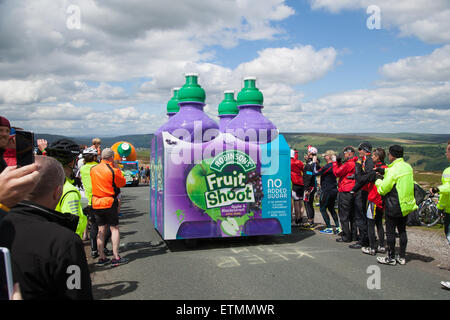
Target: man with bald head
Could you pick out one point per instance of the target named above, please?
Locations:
(48, 258)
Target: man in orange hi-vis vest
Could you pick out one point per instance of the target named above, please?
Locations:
(107, 180)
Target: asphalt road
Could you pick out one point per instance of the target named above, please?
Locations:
(303, 265)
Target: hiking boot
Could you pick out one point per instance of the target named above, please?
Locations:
(368, 250)
(118, 262)
(327, 231)
(103, 262)
(386, 260)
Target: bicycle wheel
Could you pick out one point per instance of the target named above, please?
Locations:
(428, 214)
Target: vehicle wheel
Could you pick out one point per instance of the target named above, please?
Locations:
(191, 243)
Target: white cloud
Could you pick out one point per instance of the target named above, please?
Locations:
(427, 20)
(298, 65)
(432, 67)
(119, 40)
(25, 91)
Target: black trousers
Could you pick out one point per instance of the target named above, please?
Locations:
(391, 224)
(327, 201)
(361, 216)
(309, 205)
(378, 223)
(346, 208)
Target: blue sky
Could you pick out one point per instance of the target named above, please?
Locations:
(108, 68)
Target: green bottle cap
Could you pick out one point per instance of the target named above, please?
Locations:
(228, 104)
(124, 150)
(172, 105)
(191, 91)
(250, 94)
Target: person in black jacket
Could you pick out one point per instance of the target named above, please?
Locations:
(5, 129)
(310, 183)
(48, 258)
(329, 192)
(363, 170)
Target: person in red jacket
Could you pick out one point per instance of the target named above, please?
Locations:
(375, 209)
(345, 172)
(297, 186)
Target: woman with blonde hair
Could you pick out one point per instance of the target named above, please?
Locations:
(96, 143)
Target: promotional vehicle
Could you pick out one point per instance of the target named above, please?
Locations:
(208, 183)
(130, 170)
(125, 155)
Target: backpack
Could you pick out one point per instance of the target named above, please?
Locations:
(419, 195)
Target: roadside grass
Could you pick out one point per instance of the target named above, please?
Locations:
(427, 179)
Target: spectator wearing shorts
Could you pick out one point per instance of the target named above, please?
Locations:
(106, 181)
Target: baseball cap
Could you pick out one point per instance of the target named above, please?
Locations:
(366, 146)
(4, 122)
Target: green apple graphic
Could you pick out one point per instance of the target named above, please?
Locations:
(230, 226)
(196, 187)
(196, 183)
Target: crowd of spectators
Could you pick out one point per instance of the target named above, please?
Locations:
(42, 201)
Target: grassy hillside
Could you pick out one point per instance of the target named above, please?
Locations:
(421, 152)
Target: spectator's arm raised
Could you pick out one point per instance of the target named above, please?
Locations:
(16, 184)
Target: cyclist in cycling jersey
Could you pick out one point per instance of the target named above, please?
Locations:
(90, 156)
(66, 152)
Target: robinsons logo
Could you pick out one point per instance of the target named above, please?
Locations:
(227, 188)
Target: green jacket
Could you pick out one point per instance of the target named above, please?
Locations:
(85, 172)
(397, 187)
(70, 202)
(444, 192)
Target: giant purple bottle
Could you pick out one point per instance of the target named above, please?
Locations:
(191, 119)
(227, 110)
(250, 124)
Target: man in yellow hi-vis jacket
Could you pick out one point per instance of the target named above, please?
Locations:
(444, 203)
(66, 152)
(397, 188)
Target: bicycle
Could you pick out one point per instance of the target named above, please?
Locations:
(428, 213)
